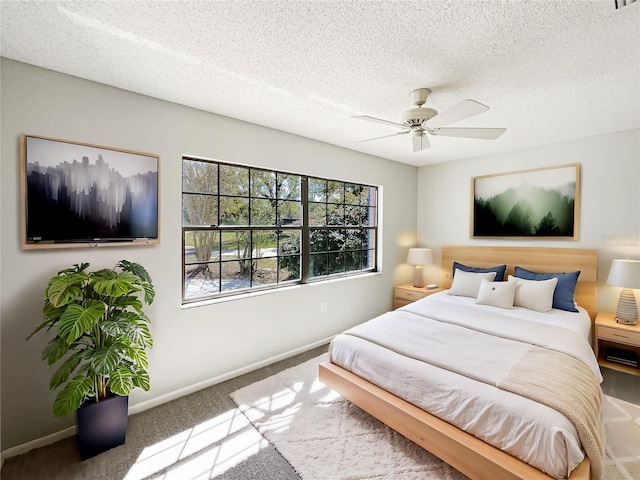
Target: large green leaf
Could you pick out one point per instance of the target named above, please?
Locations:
(55, 350)
(77, 319)
(52, 313)
(113, 328)
(121, 381)
(125, 317)
(141, 380)
(138, 356)
(139, 335)
(128, 301)
(65, 289)
(65, 370)
(72, 396)
(135, 268)
(149, 292)
(104, 274)
(107, 359)
(123, 284)
(88, 353)
(143, 277)
(77, 268)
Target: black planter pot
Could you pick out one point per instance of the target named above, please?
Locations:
(101, 426)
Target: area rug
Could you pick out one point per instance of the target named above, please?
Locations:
(325, 437)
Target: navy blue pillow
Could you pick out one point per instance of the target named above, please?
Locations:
(499, 269)
(564, 294)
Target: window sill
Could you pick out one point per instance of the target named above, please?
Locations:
(271, 291)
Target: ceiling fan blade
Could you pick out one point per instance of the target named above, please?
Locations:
(380, 120)
(420, 142)
(460, 111)
(384, 136)
(479, 133)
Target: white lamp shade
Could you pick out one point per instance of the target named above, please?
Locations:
(419, 256)
(625, 273)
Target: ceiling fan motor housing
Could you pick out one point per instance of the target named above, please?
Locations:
(415, 117)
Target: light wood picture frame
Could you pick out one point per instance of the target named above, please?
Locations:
(535, 203)
(83, 195)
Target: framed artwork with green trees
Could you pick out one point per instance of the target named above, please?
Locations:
(536, 203)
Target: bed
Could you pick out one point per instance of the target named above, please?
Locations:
(410, 388)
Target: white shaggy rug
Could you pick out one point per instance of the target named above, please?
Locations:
(325, 437)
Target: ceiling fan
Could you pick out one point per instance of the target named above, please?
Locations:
(419, 121)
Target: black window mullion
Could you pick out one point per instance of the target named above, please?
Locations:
(276, 197)
(250, 222)
(219, 222)
(219, 246)
(184, 262)
(278, 232)
(304, 221)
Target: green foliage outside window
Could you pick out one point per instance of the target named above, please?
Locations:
(243, 228)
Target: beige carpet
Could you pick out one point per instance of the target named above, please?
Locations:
(325, 437)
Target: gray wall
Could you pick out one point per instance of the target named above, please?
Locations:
(609, 201)
(193, 346)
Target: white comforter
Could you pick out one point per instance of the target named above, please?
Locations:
(446, 355)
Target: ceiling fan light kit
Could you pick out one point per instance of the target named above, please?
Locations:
(422, 120)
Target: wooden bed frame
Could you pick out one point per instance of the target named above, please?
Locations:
(465, 452)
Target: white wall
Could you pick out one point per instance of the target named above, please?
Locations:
(609, 200)
(196, 344)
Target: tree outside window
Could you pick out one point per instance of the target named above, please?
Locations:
(244, 228)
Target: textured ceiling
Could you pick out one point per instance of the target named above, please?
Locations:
(550, 70)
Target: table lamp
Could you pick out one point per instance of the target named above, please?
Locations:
(626, 274)
(419, 257)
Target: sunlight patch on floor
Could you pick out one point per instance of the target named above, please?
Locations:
(211, 447)
(324, 393)
(272, 403)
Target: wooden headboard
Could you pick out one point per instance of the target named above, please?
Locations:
(550, 260)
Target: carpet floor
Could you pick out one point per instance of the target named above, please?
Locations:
(324, 437)
(195, 437)
(205, 436)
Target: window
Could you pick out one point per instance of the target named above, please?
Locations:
(246, 228)
(342, 227)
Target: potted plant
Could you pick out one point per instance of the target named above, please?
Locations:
(101, 334)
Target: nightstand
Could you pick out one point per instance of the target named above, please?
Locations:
(609, 333)
(406, 294)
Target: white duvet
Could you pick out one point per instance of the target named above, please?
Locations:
(445, 355)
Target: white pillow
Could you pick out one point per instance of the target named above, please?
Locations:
(497, 294)
(535, 294)
(467, 284)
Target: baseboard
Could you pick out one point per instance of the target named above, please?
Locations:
(37, 443)
(154, 402)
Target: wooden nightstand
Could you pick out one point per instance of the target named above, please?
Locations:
(405, 294)
(609, 333)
